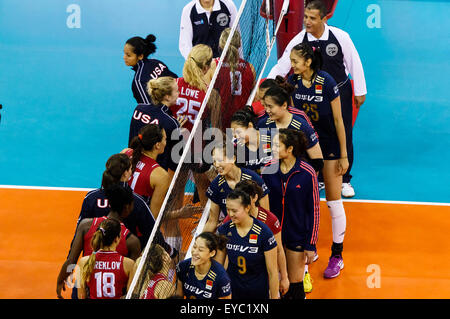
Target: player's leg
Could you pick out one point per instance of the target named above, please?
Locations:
(295, 260)
(333, 183)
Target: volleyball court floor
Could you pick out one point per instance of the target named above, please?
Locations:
(391, 250)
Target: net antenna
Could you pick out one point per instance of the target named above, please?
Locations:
(183, 156)
(270, 43)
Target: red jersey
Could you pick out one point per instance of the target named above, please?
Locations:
(267, 218)
(121, 248)
(188, 103)
(234, 89)
(150, 292)
(140, 181)
(108, 280)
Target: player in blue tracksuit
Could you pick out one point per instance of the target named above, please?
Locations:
(294, 199)
(317, 93)
(276, 102)
(229, 175)
(136, 52)
(202, 277)
(163, 92)
(251, 251)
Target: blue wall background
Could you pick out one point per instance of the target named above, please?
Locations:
(67, 93)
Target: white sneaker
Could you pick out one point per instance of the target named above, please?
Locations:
(347, 190)
(321, 186)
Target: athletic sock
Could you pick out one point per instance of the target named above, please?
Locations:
(338, 220)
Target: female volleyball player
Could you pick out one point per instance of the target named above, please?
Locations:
(164, 93)
(276, 101)
(149, 179)
(256, 152)
(229, 174)
(251, 251)
(158, 285)
(118, 171)
(235, 79)
(325, 111)
(294, 199)
(105, 274)
(136, 52)
(255, 192)
(120, 199)
(202, 277)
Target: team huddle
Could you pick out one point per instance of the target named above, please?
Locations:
(259, 172)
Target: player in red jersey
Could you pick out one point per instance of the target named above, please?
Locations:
(157, 284)
(149, 180)
(105, 274)
(121, 201)
(235, 80)
(255, 192)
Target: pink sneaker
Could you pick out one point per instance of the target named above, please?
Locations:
(335, 264)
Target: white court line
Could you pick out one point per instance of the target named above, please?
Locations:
(370, 201)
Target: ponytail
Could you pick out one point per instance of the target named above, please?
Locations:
(116, 165)
(104, 236)
(118, 197)
(148, 136)
(232, 57)
(143, 46)
(198, 59)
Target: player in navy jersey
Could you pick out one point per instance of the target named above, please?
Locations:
(255, 192)
(120, 199)
(276, 101)
(105, 274)
(229, 174)
(163, 92)
(136, 52)
(294, 199)
(340, 59)
(202, 277)
(256, 152)
(251, 251)
(317, 93)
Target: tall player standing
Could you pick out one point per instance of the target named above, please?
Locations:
(340, 59)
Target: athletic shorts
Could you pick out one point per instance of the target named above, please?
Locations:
(330, 149)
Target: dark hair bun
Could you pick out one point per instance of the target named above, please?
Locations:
(150, 38)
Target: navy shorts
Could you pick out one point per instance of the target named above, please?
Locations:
(330, 149)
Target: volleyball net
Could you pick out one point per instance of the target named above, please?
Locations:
(183, 214)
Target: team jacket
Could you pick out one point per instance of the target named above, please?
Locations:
(294, 199)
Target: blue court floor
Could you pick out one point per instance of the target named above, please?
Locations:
(67, 99)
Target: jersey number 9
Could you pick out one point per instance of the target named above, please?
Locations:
(242, 264)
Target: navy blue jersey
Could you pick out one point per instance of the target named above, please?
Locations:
(246, 261)
(140, 222)
(157, 114)
(146, 70)
(219, 189)
(316, 102)
(294, 199)
(266, 125)
(216, 283)
(254, 160)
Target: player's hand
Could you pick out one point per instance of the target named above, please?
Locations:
(60, 285)
(359, 100)
(342, 166)
(284, 286)
(309, 256)
(182, 119)
(186, 211)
